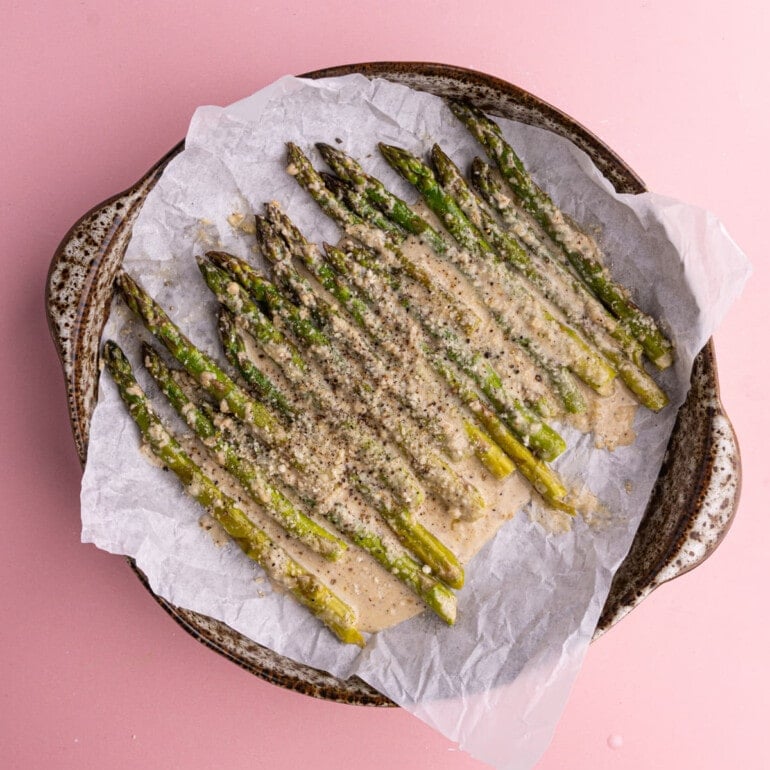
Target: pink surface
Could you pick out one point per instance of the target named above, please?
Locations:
(94, 674)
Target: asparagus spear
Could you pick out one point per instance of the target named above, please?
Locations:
(545, 441)
(583, 360)
(338, 616)
(400, 213)
(378, 465)
(488, 452)
(434, 472)
(235, 351)
(358, 203)
(202, 367)
(537, 472)
(250, 476)
(254, 480)
(390, 488)
(349, 170)
(583, 252)
(398, 561)
(519, 222)
(306, 175)
(414, 390)
(638, 381)
(302, 170)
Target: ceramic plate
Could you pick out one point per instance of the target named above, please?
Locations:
(691, 506)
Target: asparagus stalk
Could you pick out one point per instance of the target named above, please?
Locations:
(356, 227)
(434, 472)
(581, 358)
(523, 227)
(378, 465)
(413, 389)
(251, 477)
(235, 352)
(559, 377)
(203, 368)
(236, 299)
(545, 441)
(306, 175)
(338, 616)
(400, 213)
(349, 170)
(254, 480)
(577, 312)
(582, 252)
(535, 471)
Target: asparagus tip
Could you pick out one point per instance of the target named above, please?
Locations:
(111, 351)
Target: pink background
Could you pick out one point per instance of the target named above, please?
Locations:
(93, 674)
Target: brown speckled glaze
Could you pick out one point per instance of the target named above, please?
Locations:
(694, 499)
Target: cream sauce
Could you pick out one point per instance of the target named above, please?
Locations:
(379, 599)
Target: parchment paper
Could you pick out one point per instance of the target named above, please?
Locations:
(498, 680)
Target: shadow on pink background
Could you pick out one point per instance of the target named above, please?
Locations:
(94, 674)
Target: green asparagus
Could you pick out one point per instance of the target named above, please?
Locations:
(410, 222)
(356, 227)
(637, 380)
(583, 360)
(434, 472)
(202, 367)
(303, 170)
(254, 480)
(581, 251)
(545, 441)
(523, 227)
(379, 466)
(234, 346)
(250, 476)
(338, 616)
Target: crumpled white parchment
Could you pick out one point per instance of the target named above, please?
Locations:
(496, 682)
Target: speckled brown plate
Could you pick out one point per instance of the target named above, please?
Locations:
(693, 501)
